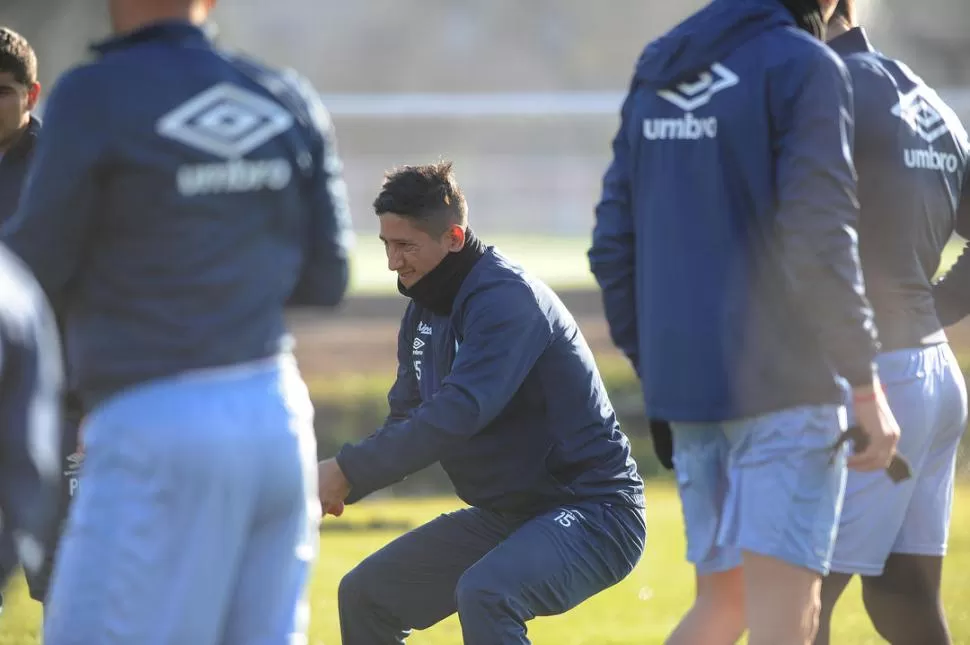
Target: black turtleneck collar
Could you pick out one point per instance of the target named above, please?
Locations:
(807, 15)
(25, 142)
(177, 31)
(439, 287)
(854, 41)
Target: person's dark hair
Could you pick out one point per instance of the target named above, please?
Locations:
(17, 57)
(807, 15)
(427, 195)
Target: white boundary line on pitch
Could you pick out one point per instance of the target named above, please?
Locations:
(513, 104)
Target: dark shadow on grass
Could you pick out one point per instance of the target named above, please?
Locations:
(361, 527)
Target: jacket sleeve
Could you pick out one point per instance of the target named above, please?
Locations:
(818, 210)
(952, 292)
(56, 214)
(30, 445)
(403, 396)
(326, 267)
(612, 256)
(504, 334)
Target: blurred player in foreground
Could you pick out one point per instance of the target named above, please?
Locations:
(495, 382)
(911, 153)
(19, 91)
(725, 250)
(19, 129)
(31, 382)
(171, 221)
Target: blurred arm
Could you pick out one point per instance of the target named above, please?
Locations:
(817, 216)
(30, 443)
(612, 257)
(326, 267)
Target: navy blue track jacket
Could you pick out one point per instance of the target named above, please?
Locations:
(31, 386)
(13, 169)
(724, 240)
(173, 219)
(911, 152)
(505, 393)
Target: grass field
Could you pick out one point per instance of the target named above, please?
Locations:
(559, 261)
(639, 611)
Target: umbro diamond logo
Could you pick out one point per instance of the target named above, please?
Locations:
(690, 96)
(929, 125)
(921, 116)
(226, 121)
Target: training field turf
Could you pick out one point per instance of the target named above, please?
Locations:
(639, 611)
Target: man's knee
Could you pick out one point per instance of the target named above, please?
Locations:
(357, 587)
(474, 589)
(721, 597)
(904, 603)
(480, 590)
(907, 583)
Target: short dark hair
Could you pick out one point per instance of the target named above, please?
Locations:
(17, 57)
(428, 195)
(846, 10)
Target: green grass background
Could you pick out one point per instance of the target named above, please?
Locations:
(639, 611)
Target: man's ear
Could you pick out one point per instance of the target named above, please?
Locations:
(457, 238)
(33, 95)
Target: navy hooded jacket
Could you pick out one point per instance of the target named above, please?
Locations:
(505, 393)
(724, 240)
(171, 222)
(31, 386)
(911, 153)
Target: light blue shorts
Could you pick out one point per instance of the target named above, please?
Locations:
(197, 518)
(765, 485)
(928, 397)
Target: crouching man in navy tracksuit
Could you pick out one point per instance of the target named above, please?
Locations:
(725, 249)
(912, 155)
(496, 382)
(172, 223)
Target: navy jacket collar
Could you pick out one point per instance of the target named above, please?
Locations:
(172, 31)
(854, 41)
(25, 144)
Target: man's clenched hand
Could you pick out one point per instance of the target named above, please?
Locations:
(333, 487)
